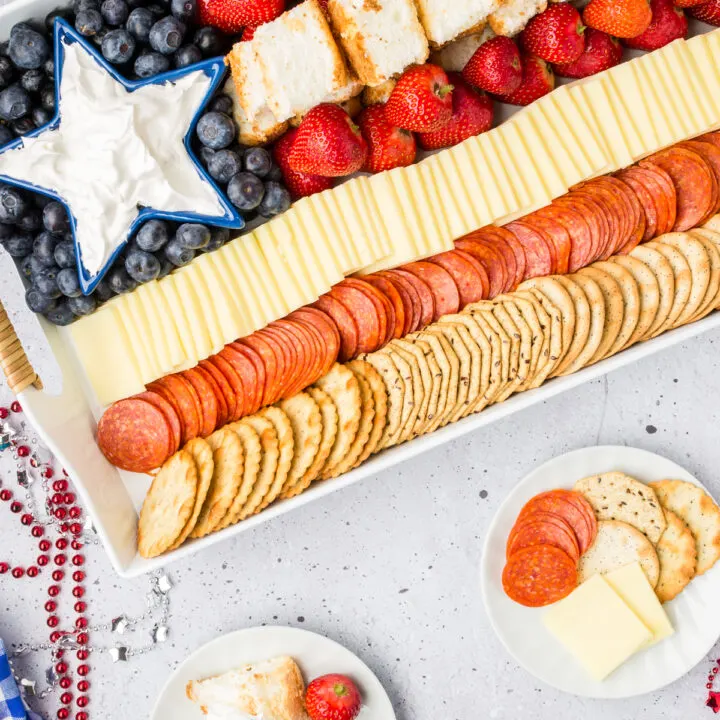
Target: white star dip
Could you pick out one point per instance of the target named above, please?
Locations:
(115, 151)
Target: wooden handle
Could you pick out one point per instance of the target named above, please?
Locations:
(15, 365)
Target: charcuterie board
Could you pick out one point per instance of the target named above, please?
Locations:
(137, 379)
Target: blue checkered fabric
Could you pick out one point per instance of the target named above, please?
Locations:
(11, 703)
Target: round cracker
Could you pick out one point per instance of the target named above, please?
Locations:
(268, 463)
(420, 351)
(515, 368)
(461, 382)
(286, 448)
(252, 451)
(168, 505)
(582, 323)
(419, 389)
(227, 475)
(682, 286)
(395, 387)
(377, 387)
(678, 558)
(306, 421)
(551, 325)
(203, 456)
(525, 334)
(449, 368)
(618, 544)
(709, 239)
(665, 275)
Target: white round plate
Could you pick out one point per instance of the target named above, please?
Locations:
(316, 655)
(693, 612)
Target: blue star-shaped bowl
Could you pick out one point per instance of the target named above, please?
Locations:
(214, 68)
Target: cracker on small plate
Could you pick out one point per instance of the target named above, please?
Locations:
(678, 557)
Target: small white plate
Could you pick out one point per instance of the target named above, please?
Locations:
(693, 613)
(316, 655)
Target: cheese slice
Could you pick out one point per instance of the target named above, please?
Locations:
(156, 326)
(597, 627)
(135, 314)
(194, 313)
(321, 230)
(107, 355)
(361, 232)
(361, 186)
(206, 307)
(449, 203)
(434, 241)
(667, 134)
(578, 96)
(444, 240)
(336, 230)
(705, 51)
(168, 320)
(631, 584)
(410, 203)
(498, 147)
(624, 112)
(169, 290)
(348, 226)
(480, 176)
(474, 210)
(499, 168)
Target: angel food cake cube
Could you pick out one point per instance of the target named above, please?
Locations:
(301, 63)
(444, 21)
(380, 37)
(513, 15)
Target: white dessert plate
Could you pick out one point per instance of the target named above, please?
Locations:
(316, 655)
(693, 612)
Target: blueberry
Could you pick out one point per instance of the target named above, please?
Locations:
(14, 103)
(103, 291)
(276, 200)
(7, 230)
(89, 22)
(132, 4)
(184, 10)
(192, 236)
(61, 314)
(157, 10)
(119, 280)
(166, 35)
(257, 160)
(44, 249)
(55, 218)
(187, 55)
(7, 71)
(142, 266)
(65, 254)
(210, 41)
(151, 64)
(62, 13)
(216, 130)
(49, 68)
(118, 46)
(246, 191)
(206, 155)
(46, 282)
(6, 135)
(40, 116)
(32, 81)
(28, 49)
(23, 125)
(218, 237)
(221, 103)
(82, 305)
(152, 236)
(139, 23)
(47, 98)
(177, 254)
(79, 5)
(275, 174)
(26, 267)
(38, 302)
(223, 165)
(41, 201)
(68, 282)
(31, 221)
(13, 204)
(98, 37)
(166, 267)
(114, 12)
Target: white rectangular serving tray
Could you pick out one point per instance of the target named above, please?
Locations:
(67, 421)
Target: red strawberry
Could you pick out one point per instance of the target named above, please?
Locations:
(556, 35)
(328, 143)
(689, 3)
(537, 80)
(298, 184)
(248, 33)
(601, 52)
(332, 697)
(708, 12)
(621, 18)
(231, 16)
(422, 99)
(472, 115)
(495, 66)
(668, 23)
(389, 146)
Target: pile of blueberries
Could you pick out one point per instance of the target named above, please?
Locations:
(142, 38)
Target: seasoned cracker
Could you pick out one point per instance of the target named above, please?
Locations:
(506, 322)
(709, 239)
(581, 333)
(678, 558)
(449, 368)
(412, 385)
(395, 388)
(416, 355)
(306, 421)
(462, 379)
(663, 271)
(649, 288)
(682, 283)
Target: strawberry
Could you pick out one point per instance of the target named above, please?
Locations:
(708, 12)
(688, 3)
(668, 23)
(389, 146)
(328, 143)
(556, 35)
(332, 697)
(298, 184)
(601, 52)
(495, 66)
(537, 80)
(248, 33)
(422, 99)
(472, 114)
(231, 16)
(621, 18)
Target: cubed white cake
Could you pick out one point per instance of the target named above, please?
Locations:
(445, 21)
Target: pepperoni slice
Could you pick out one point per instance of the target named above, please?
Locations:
(345, 323)
(365, 314)
(490, 258)
(497, 239)
(467, 279)
(539, 575)
(424, 294)
(637, 182)
(187, 406)
(234, 381)
(480, 270)
(547, 219)
(410, 297)
(544, 533)
(221, 388)
(264, 354)
(327, 328)
(666, 197)
(253, 385)
(305, 349)
(693, 180)
(290, 355)
(168, 410)
(537, 250)
(517, 250)
(317, 356)
(711, 153)
(135, 435)
(614, 216)
(582, 244)
(441, 284)
(383, 307)
(394, 295)
(208, 401)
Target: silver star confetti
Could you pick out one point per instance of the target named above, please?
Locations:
(67, 643)
(118, 653)
(24, 480)
(88, 525)
(153, 599)
(119, 624)
(4, 441)
(51, 676)
(160, 634)
(27, 687)
(164, 584)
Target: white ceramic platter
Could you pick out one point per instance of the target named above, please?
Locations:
(693, 613)
(316, 655)
(66, 414)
